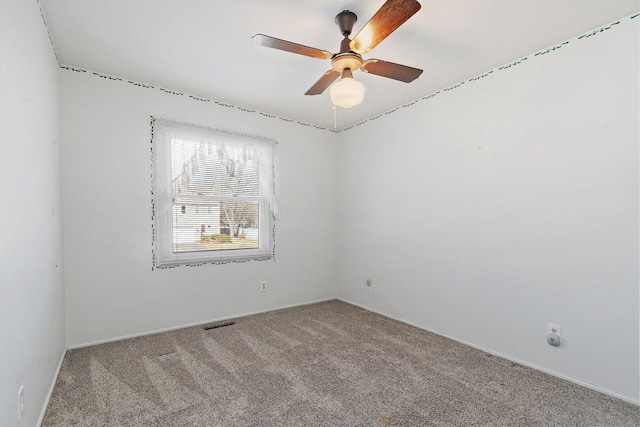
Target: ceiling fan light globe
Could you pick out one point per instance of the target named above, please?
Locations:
(347, 93)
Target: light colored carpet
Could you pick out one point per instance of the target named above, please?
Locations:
(326, 364)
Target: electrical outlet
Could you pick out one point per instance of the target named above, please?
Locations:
(20, 402)
(554, 329)
(368, 282)
(263, 286)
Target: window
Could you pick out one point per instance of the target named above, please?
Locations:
(214, 195)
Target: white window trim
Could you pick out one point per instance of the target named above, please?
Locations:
(163, 197)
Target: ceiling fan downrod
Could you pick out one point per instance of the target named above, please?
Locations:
(345, 20)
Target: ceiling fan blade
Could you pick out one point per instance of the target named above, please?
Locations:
(387, 19)
(268, 41)
(324, 82)
(391, 70)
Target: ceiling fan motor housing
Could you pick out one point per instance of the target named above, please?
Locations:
(343, 61)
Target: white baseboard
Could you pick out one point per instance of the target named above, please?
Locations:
(189, 325)
(504, 356)
(53, 384)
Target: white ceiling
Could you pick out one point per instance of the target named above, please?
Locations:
(203, 47)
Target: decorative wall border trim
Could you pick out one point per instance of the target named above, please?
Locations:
(77, 70)
(551, 49)
(193, 97)
(46, 26)
(486, 74)
(107, 77)
(481, 76)
(141, 85)
(496, 70)
(513, 64)
(594, 32)
(447, 89)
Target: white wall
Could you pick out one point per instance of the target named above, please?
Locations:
(111, 290)
(31, 290)
(482, 213)
(487, 211)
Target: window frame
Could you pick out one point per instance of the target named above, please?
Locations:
(164, 197)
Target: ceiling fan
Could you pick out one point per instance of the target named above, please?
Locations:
(348, 92)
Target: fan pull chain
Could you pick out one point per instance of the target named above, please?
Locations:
(335, 122)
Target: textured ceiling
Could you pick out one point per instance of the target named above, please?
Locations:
(203, 47)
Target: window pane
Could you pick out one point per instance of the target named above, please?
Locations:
(215, 226)
(213, 170)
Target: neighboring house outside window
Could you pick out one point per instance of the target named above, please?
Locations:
(214, 195)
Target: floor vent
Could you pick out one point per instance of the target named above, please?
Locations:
(218, 325)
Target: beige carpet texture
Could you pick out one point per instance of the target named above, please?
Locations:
(325, 364)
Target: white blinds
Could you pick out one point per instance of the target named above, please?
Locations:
(215, 193)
